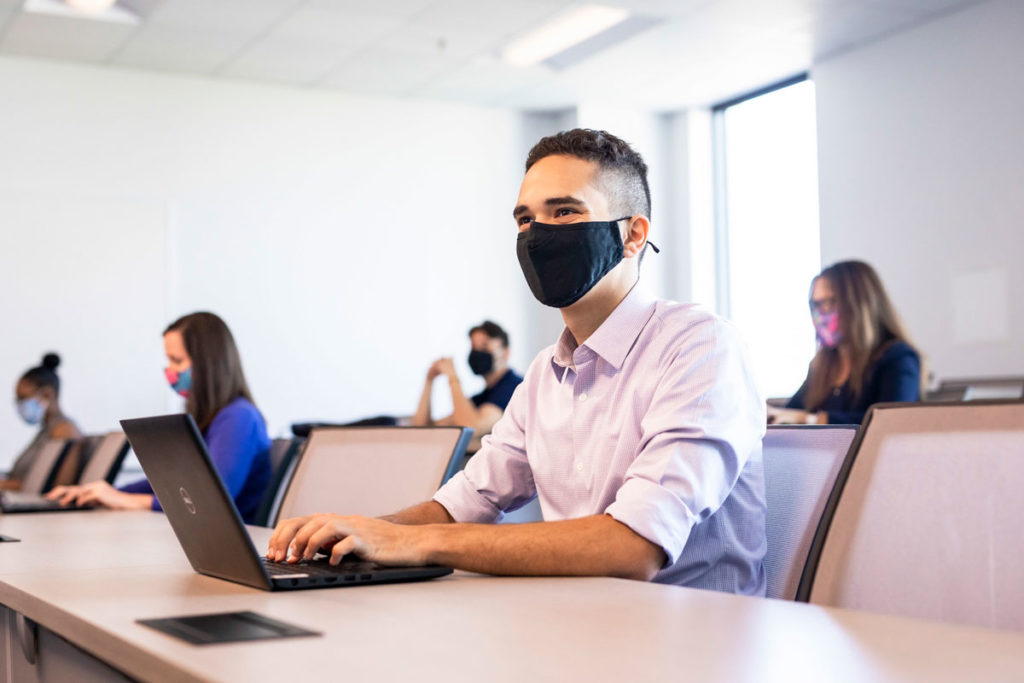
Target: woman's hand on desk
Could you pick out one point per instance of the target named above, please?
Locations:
(100, 494)
(300, 538)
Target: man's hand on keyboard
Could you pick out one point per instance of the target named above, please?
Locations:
(300, 538)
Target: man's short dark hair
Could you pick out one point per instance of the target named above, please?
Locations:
(623, 171)
(492, 330)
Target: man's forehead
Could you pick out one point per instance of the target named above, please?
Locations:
(556, 176)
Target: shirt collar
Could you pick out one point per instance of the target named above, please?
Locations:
(616, 335)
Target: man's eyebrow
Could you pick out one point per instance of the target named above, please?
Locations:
(552, 201)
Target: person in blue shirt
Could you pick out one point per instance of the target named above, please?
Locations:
(864, 355)
(203, 366)
(488, 358)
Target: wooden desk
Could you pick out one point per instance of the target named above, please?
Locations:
(88, 576)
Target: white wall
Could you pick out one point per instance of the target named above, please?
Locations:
(346, 240)
(921, 155)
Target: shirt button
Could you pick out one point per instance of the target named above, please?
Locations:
(583, 396)
(579, 467)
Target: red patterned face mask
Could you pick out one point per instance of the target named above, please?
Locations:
(826, 326)
(181, 382)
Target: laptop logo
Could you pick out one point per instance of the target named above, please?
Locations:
(187, 500)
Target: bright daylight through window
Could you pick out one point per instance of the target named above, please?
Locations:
(768, 228)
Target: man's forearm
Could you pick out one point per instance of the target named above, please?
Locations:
(464, 413)
(430, 512)
(422, 416)
(590, 546)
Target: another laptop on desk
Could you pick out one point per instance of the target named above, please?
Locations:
(205, 520)
(104, 456)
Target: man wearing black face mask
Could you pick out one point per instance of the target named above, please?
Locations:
(488, 359)
(639, 430)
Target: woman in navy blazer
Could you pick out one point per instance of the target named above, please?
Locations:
(864, 356)
(205, 368)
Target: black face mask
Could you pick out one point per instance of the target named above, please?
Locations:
(563, 262)
(481, 362)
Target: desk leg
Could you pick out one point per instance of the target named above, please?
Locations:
(57, 660)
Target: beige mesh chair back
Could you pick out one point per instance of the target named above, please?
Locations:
(925, 519)
(105, 456)
(39, 477)
(372, 471)
(800, 466)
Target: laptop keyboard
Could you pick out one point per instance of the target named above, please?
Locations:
(319, 567)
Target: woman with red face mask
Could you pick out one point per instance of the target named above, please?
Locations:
(864, 355)
(204, 367)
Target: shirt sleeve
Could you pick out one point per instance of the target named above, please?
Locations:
(142, 486)
(705, 421)
(498, 478)
(232, 446)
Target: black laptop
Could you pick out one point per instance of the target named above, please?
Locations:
(204, 517)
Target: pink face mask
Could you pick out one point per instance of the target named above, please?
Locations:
(826, 326)
(181, 382)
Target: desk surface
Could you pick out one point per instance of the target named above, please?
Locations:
(88, 576)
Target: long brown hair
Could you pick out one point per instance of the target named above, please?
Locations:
(217, 376)
(869, 324)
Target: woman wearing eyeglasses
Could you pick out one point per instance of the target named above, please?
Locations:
(864, 355)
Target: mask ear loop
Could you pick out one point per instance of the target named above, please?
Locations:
(653, 246)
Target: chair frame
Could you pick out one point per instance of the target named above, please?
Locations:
(454, 463)
(806, 587)
(835, 482)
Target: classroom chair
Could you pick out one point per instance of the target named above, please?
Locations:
(925, 518)
(801, 463)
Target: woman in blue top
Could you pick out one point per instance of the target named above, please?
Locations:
(864, 356)
(204, 366)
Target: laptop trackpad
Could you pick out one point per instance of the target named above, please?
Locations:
(226, 627)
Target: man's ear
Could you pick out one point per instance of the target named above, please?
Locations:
(636, 236)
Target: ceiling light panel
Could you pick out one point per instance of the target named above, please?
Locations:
(566, 30)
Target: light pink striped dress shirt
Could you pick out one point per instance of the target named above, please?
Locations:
(655, 420)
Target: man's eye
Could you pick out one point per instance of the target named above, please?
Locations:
(523, 220)
(565, 212)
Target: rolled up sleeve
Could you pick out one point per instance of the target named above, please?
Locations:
(498, 478)
(704, 423)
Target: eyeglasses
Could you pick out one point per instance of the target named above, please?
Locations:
(823, 306)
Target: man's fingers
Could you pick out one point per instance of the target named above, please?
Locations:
(326, 534)
(343, 547)
(297, 548)
(282, 536)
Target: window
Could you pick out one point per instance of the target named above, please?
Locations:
(767, 236)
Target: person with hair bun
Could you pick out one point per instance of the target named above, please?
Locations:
(864, 354)
(204, 367)
(37, 397)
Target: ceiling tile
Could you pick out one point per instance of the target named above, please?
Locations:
(387, 9)
(309, 44)
(169, 48)
(388, 71)
(241, 17)
(490, 18)
(55, 37)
